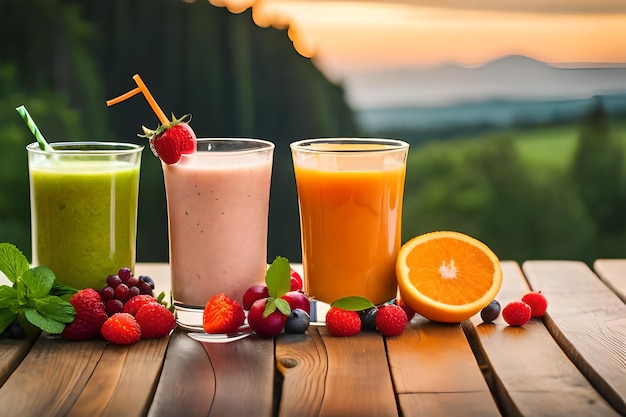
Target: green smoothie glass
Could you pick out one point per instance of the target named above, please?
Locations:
(83, 198)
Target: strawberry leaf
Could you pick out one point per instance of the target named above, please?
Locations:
(283, 306)
(353, 303)
(270, 307)
(278, 278)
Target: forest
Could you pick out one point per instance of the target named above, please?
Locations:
(63, 59)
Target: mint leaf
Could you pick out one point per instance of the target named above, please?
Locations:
(277, 278)
(8, 296)
(13, 263)
(61, 290)
(55, 308)
(39, 281)
(7, 316)
(44, 323)
(353, 303)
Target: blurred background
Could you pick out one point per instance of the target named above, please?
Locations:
(516, 113)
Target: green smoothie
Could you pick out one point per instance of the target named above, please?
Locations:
(84, 216)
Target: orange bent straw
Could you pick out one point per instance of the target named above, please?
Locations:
(141, 88)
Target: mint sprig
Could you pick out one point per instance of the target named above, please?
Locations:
(33, 295)
(278, 282)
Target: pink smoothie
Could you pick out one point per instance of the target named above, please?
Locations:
(218, 215)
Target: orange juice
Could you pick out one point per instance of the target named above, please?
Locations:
(350, 193)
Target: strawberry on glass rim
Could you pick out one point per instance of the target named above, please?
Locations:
(172, 138)
(170, 141)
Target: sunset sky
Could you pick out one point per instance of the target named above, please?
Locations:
(344, 36)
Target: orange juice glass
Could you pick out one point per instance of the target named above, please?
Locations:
(350, 193)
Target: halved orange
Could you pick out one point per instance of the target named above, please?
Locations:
(447, 276)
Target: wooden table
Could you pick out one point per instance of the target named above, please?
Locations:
(571, 363)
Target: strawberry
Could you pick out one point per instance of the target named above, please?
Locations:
(537, 303)
(133, 305)
(169, 142)
(222, 314)
(90, 315)
(391, 319)
(341, 322)
(155, 320)
(121, 329)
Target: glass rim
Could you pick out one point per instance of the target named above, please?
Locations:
(394, 145)
(250, 146)
(74, 148)
(266, 143)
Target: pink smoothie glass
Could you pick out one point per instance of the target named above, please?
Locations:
(218, 206)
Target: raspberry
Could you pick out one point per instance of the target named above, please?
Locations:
(222, 314)
(155, 320)
(90, 315)
(537, 302)
(341, 322)
(121, 329)
(133, 305)
(391, 320)
(516, 313)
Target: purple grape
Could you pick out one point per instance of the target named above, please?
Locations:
(122, 292)
(132, 281)
(107, 293)
(113, 281)
(133, 291)
(113, 306)
(144, 287)
(124, 274)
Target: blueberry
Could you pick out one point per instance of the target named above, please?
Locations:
(297, 321)
(147, 280)
(491, 312)
(368, 319)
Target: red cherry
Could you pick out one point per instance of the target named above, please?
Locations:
(255, 292)
(297, 299)
(296, 280)
(271, 325)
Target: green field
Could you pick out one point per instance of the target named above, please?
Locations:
(555, 146)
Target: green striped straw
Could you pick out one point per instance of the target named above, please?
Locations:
(33, 128)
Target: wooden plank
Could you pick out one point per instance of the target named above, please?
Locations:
(12, 352)
(588, 321)
(244, 377)
(358, 381)
(529, 372)
(301, 360)
(124, 381)
(51, 377)
(613, 273)
(435, 372)
(187, 383)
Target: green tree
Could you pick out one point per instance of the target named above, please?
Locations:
(597, 171)
(483, 189)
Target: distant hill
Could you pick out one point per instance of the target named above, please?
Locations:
(511, 91)
(482, 115)
(509, 78)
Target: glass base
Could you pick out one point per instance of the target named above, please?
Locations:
(189, 318)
